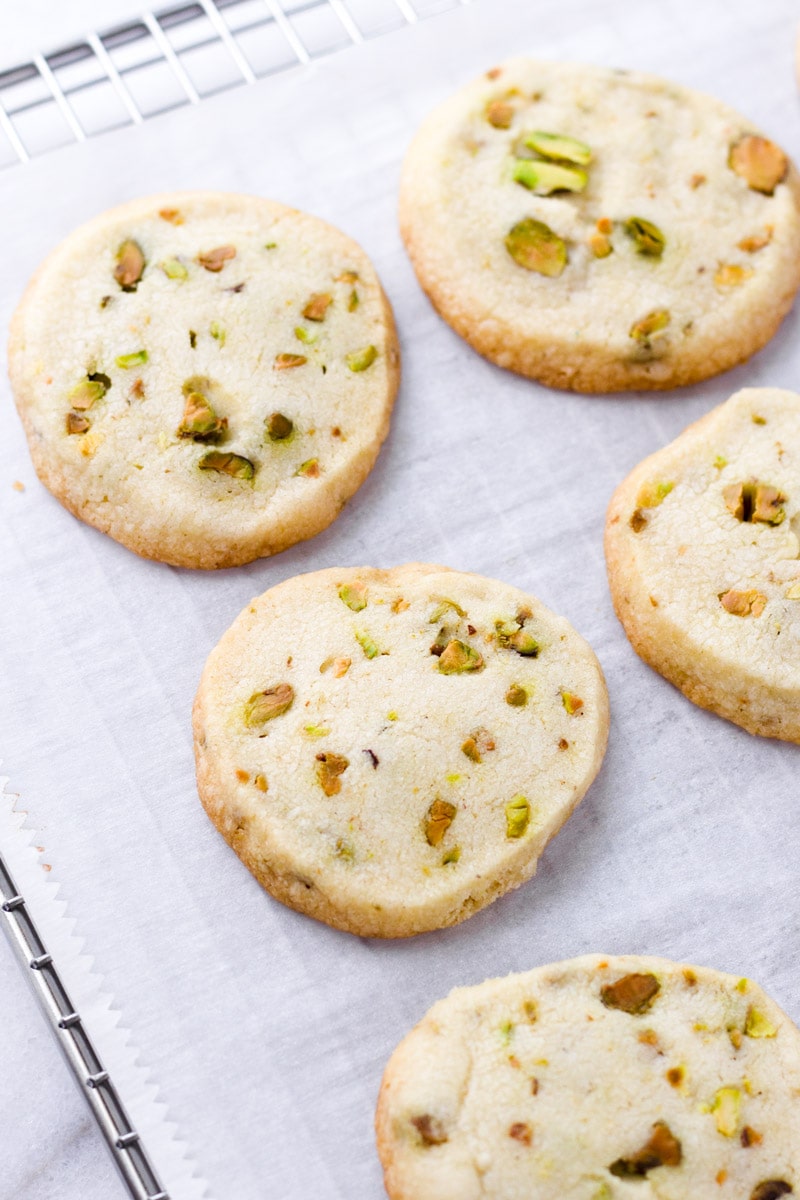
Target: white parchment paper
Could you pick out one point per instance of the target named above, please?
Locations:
(265, 1033)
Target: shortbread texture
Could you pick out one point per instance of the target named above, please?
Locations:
(704, 561)
(389, 751)
(601, 230)
(206, 377)
(597, 1079)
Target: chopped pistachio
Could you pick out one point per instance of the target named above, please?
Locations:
(729, 275)
(470, 748)
(661, 1150)
(279, 427)
(749, 1137)
(227, 464)
(513, 638)
(192, 339)
(359, 360)
(347, 277)
(444, 606)
(352, 301)
(755, 502)
(354, 595)
(341, 667)
(544, 178)
(652, 494)
(743, 604)
(758, 1025)
(457, 657)
(310, 468)
(648, 329)
(130, 265)
(329, 767)
(430, 1130)
(726, 1108)
(534, 246)
(638, 520)
(217, 332)
(136, 358)
(600, 245)
(451, 856)
(173, 268)
(756, 241)
(173, 215)
(317, 306)
(757, 420)
(272, 702)
(675, 1076)
(761, 163)
(366, 643)
(270, 245)
(720, 461)
(345, 850)
(284, 362)
(520, 1131)
(793, 593)
(200, 422)
(632, 993)
(316, 731)
(88, 392)
(559, 147)
(648, 237)
(499, 113)
(518, 817)
(572, 704)
(77, 423)
(438, 819)
(516, 696)
(214, 260)
(305, 335)
(771, 1189)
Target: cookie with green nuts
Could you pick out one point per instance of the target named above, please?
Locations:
(601, 230)
(704, 561)
(389, 751)
(599, 1078)
(206, 377)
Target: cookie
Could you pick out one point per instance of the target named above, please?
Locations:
(596, 1079)
(205, 377)
(389, 751)
(704, 561)
(601, 230)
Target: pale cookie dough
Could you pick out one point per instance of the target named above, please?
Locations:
(596, 1079)
(389, 751)
(704, 561)
(601, 230)
(206, 377)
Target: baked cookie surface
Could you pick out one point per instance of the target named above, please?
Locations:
(704, 561)
(601, 230)
(389, 751)
(207, 377)
(597, 1079)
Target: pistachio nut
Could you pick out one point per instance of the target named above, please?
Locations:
(743, 604)
(600, 245)
(173, 268)
(130, 265)
(726, 1108)
(272, 702)
(217, 332)
(572, 704)
(500, 113)
(649, 239)
(76, 423)
(329, 767)
(261, 782)
(214, 260)
(227, 464)
(370, 648)
(652, 494)
(88, 392)
(430, 1130)
(438, 819)
(317, 306)
(444, 606)
(279, 427)
(310, 468)
(305, 336)
(518, 817)
(559, 147)
(661, 1150)
(516, 696)
(457, 657)
(632, 993)
(285, 362)
(761, 163)
(638, 520)
(544, 178)
(756, 241)
(359, 360)
(354, 595)
(758, 1025)
(137, 358)
(534, 246)
(650, 328)
(729, 275)
(345, 850)
(200, 422)
(451, 856)
(755, 502)
(520, 1131)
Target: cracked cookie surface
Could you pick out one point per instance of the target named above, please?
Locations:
(601, 230)
(703, 554)
(599, 1078)
(206, 377)
(389, 751)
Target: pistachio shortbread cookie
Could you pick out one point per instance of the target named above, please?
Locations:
(206, 377)
(704, 561)
(597, 1079)
(601, 230)
(389, 751)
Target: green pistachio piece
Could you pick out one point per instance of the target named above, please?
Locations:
(345, 850)
(451, 856)
(534, 246)
(518, 816)
(559, 147)
(285, 362)
(353, 301)
(648, 237)
(726, 1107)
(445, 606)
(457, 657)
(652, 494)
(361, 359)
(136, 358)
(130, 265)
(328, 769)
(632, 993)
(214, 260)
(200, 422)
(227, 464)
(173, 268)
(650, 327)
(470, 748)
(86, 393)
(263, 706)
(512, 637)
(516, 696)
(217, 332)
(758, 1025)
(310, 468)
(354, 595)
(544, 178)
(317, 306)
(743, 604)
(755, 502)
(661, 1150)
(439, 818)
(761, 163)
(305, 335)
(77, 423)
(366, 643)
(573, 704)
(279, 427)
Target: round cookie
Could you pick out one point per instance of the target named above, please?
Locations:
(601, 230)
(206, 377)
(704, 561)
(596, 1079)
(389, 751)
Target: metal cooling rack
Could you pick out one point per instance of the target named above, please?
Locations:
(123, 76)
